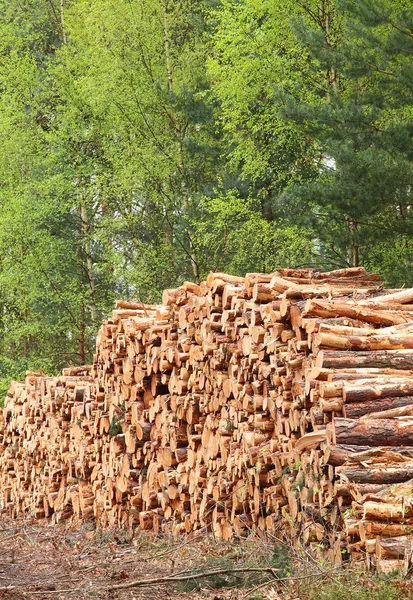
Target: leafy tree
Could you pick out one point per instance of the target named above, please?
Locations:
(231, 234)
(255, 54)
(143, 80)
(46, 299)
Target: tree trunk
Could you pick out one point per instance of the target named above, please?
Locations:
(62, 21)
(338, 455)
(181, 162)
(89, 262)
(82, 329)
(383, 474)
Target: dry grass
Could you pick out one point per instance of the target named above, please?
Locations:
(56, 562)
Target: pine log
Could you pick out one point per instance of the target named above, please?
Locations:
(332, 359)
(396, 547)
(392, 565)
(377, 474)
(372, 391)
(392, 413)
(355, 410)
(224, 277)
(330, 309)
(370, 342)
(403, 297)
(385, 529)
(386, 511)
(339, 454)
(374, 433)
(346, 272)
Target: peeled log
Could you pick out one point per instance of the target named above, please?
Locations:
(398, 547)
(403, 297)
(338, 455)
(392, 565)
(384, 510)
(387, 530)
(379, 432)
(401, 411)
(347, 272)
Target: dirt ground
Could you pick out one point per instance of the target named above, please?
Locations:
(44, 562)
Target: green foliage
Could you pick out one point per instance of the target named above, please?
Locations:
(362, 123)
(254, 55)
(145, 142)
(358, 586)
(115, 426)
(231, 233)
(280, 560)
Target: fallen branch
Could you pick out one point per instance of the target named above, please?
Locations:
(189, 577)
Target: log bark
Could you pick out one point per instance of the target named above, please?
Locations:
(339, 454)
(330, 309)
(403, 297)
(397, 547)
(370, 342)
(384, 474)
(386, 511)
(373, 433)
(392, 413)
(356, 410)
(397, 359)
(371, 391)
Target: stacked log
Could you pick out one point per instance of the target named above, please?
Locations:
(360, 387)
(41, 465)
(272, 402)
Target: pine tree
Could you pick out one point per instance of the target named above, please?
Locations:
(362, 123)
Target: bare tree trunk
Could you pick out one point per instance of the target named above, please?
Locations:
(89, 262)
(26, 337)
(354, 245)
(167, 52)
(82, 329)
(62, 21)
(182, 168)
(325, 20)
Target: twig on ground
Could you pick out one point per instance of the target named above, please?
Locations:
(257, 587)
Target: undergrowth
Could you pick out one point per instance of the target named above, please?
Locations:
(275, 557)
(355, 585)
(284, 572)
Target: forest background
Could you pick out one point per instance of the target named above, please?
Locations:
(146, 142)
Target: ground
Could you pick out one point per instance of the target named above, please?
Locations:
(43, 562)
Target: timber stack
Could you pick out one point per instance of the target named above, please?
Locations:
(278, 403)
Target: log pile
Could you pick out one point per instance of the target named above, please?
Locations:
(41, 463)
(279, 403)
